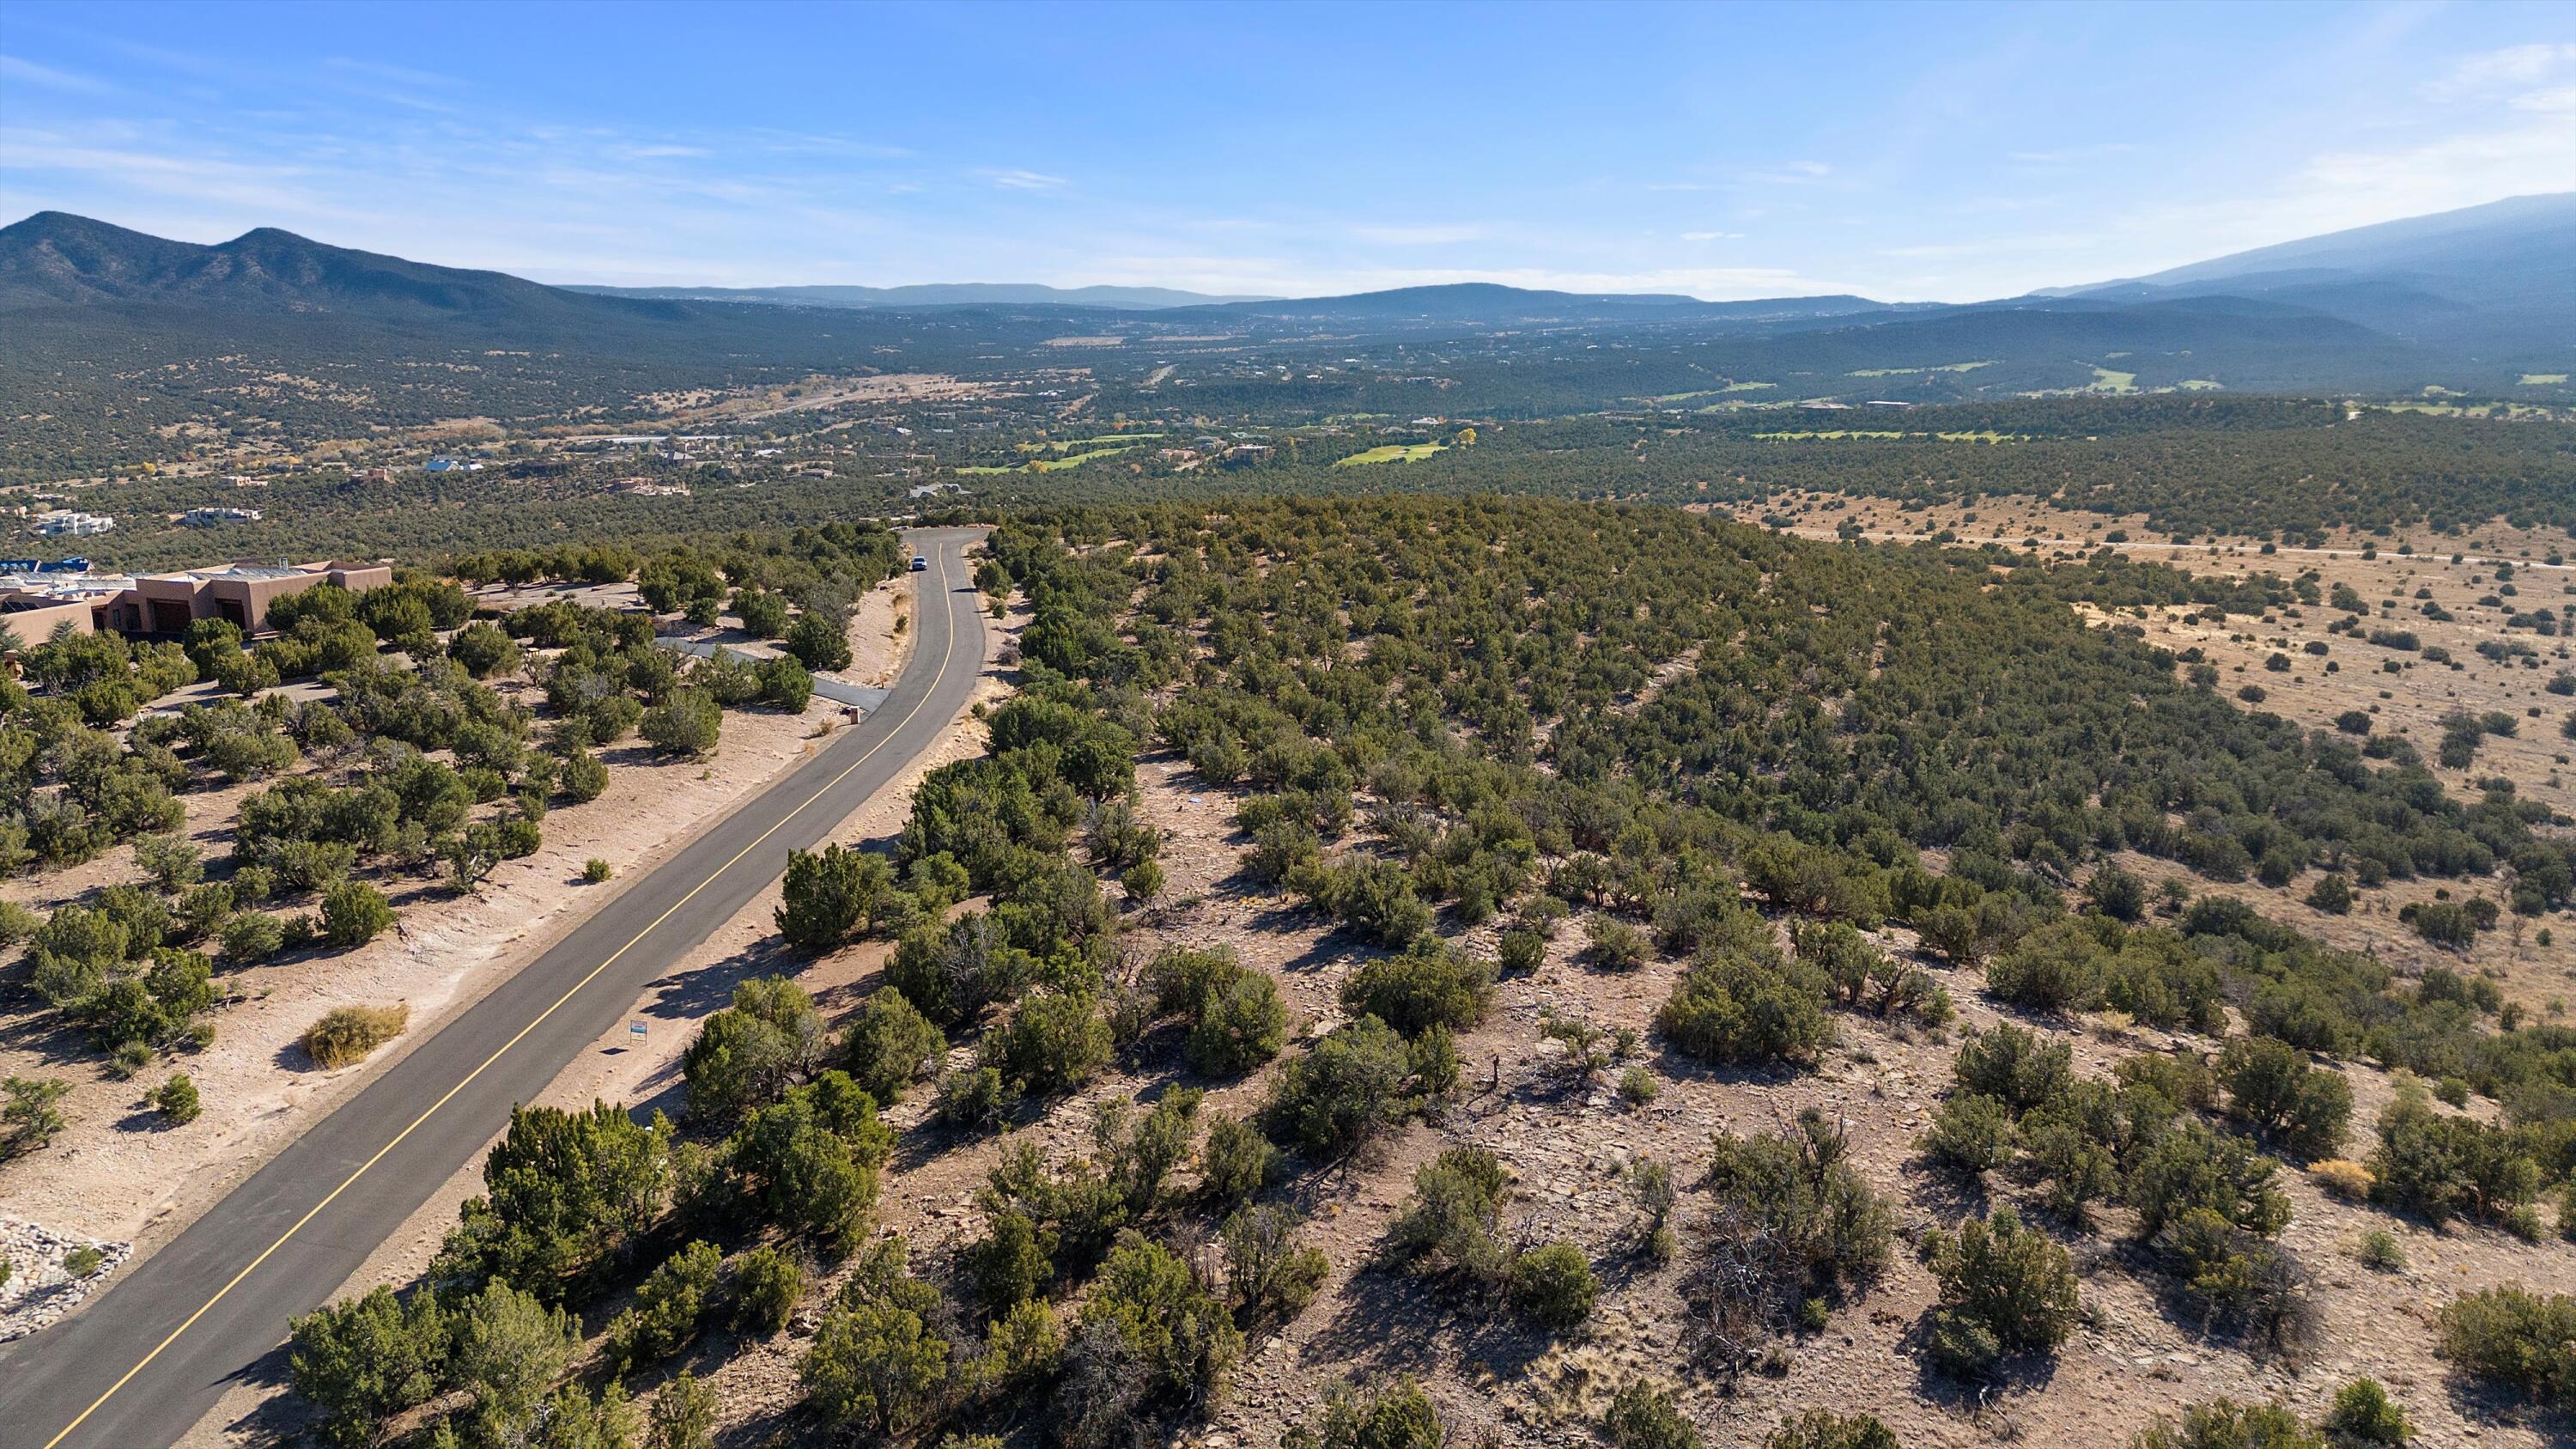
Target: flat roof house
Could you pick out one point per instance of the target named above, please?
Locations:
(35, 604)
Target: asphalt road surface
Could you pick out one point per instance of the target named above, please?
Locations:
(149, 1358)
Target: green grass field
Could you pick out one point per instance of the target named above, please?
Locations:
(1910, 371)
(2199, 384)
(2543, 379)
(2107, 380)
(1393, 453)
(1051, 465)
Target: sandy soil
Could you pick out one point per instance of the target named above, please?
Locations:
(881, 631)
(644, 1072)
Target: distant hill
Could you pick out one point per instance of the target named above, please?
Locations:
(53, 258)
(934, 294)
(117, 340)
(2501, 275)
(1493, 303)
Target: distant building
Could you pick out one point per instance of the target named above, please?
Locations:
(70, 523)
(451, 465)
(34, 603)
(211, 517)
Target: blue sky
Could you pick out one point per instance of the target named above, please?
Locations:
(1903, 151)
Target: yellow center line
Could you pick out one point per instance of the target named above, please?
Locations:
(502, 1050)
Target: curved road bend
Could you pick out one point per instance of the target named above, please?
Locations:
(144, 1362)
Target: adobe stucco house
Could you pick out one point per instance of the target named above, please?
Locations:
(166, 604)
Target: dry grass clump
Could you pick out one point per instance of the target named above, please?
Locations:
(2343, 1178)
(346, 1034)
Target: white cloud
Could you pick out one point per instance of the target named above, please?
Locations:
(27, 72)
(1700, 236)
(2495, 73)
(1017, 180)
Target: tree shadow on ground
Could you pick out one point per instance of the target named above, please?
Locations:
(280, 1417)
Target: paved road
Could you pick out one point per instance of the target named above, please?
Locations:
(142, 1364)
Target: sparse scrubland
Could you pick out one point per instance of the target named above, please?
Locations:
(1614, 971)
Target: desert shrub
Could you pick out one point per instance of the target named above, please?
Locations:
(2200, 1167)
(566, 1196)
(1553, 1286)
(252, 937)
(1053, 1043)
(354, 913)
(1238, 1026)
(1236, 1162)
(364, 1359)
(975, 1098)
(483, 649)
(1353, 1084)
(1151, 1338)
(2378, 1248)
(1451, 1221)
(2015, 1066)
(177, 1100)
(686, 723)
(1398, 1416)
(2005, 1289)
(876, 1364)
(29, 1119)
(829, 893)
(1612, 944)
(669, 1306)
(1010, 1264)
(1266, 1269)
(1643, 1416)
(2440, 1166)
(1972, 1133)
(2272, 1089)
(1142, 881)
(348, 1034)
(749, 1052)
(583, 778)
(952, 970)
(1825, 1429)
(1430, 984)
(2226, 1424)
(809, 1161)
(1748, 1006)
(2515, 1340)
(2363, 1413)
(768, 1284)
(890, 1045)
(1027, 1346)
(1793, 1221)
(2241, 1280)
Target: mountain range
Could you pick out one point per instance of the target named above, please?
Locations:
(935, 294)
(2482, 299)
